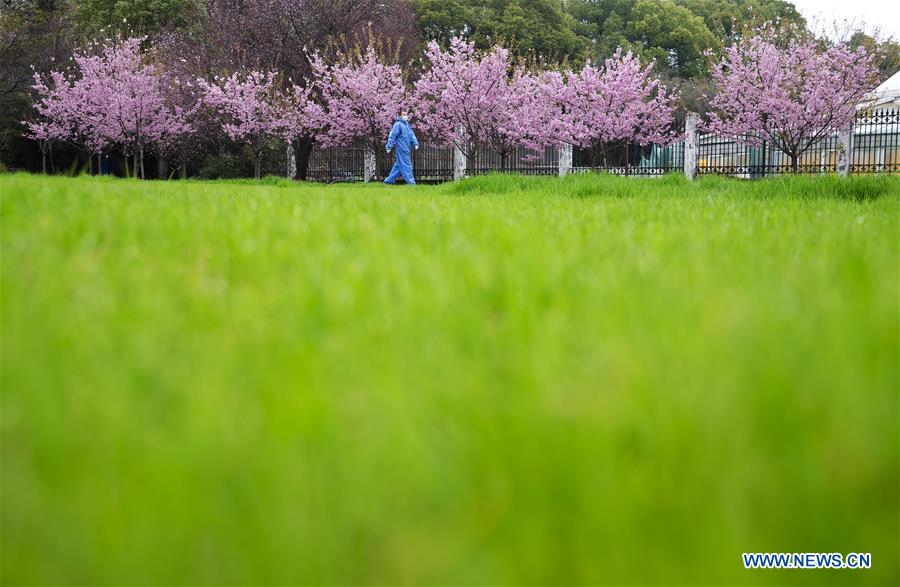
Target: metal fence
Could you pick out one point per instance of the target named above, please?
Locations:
(753, 158)
(630, 159)
(876, 142)
(336, 164)
(431, 163)
(339, 164)
(519, 160)
(875, 149)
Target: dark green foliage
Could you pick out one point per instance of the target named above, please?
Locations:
(529, 27)
(727, 20)
(223, 167)
(887, 52)
(670, 35)
(137, 16)
(657, 30)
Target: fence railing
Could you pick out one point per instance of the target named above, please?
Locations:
(336, 164)
(874, 147)
(631, 159)
(876, 142)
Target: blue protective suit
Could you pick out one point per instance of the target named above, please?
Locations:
(404, 139)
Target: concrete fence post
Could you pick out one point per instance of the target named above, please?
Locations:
(369, 164)
(459, 163)
(291, 162)
(565, 159)
(691, 150)
(844, 152)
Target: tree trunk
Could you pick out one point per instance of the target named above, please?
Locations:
(795, 163)
(52, 163)
(257, 164)
(302, 151)
(504, 160)
(44, 161)
(127, 171)
(627, 159)
(142, 163)
(472, 160)
(184, 168)
(162, 168)
(90, 164)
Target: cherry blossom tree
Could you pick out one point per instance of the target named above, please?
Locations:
(53, 122)
(521, 118)
(111, 98)
(360, 96)
(252, 110)
(464, 98)
(299, 113)
(68, 111)
(137, 112)
(596, 107)
(183, 96)
(536, 113)
(789, 89)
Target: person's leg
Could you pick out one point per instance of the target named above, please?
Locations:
(394, 174)
(406, 170)
(408, 176)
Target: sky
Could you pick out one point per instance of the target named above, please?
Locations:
(884, 14)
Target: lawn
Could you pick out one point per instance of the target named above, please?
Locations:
(503, 381)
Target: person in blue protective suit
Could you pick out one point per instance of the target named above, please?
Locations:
(403, 140)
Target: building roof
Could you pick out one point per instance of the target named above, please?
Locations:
(888, 93)
(892, 84)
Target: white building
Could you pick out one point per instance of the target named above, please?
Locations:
(885, 96)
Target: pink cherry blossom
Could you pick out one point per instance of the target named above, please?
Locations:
(54, 122)
(360, 98)
(598, 106)
(465, 98)
(252, 110)
(111, 98)
(792, 92)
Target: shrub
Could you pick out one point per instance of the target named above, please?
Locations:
(222, 167)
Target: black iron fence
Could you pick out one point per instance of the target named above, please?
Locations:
(336, 164)
(339, 164)
(875, 149)
(431, 164)
(630, 158)
(875, 140)
(518, 160)
(754, 158)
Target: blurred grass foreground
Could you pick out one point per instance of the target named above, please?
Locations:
(588, 380)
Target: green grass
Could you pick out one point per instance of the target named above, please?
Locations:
(506, 380)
